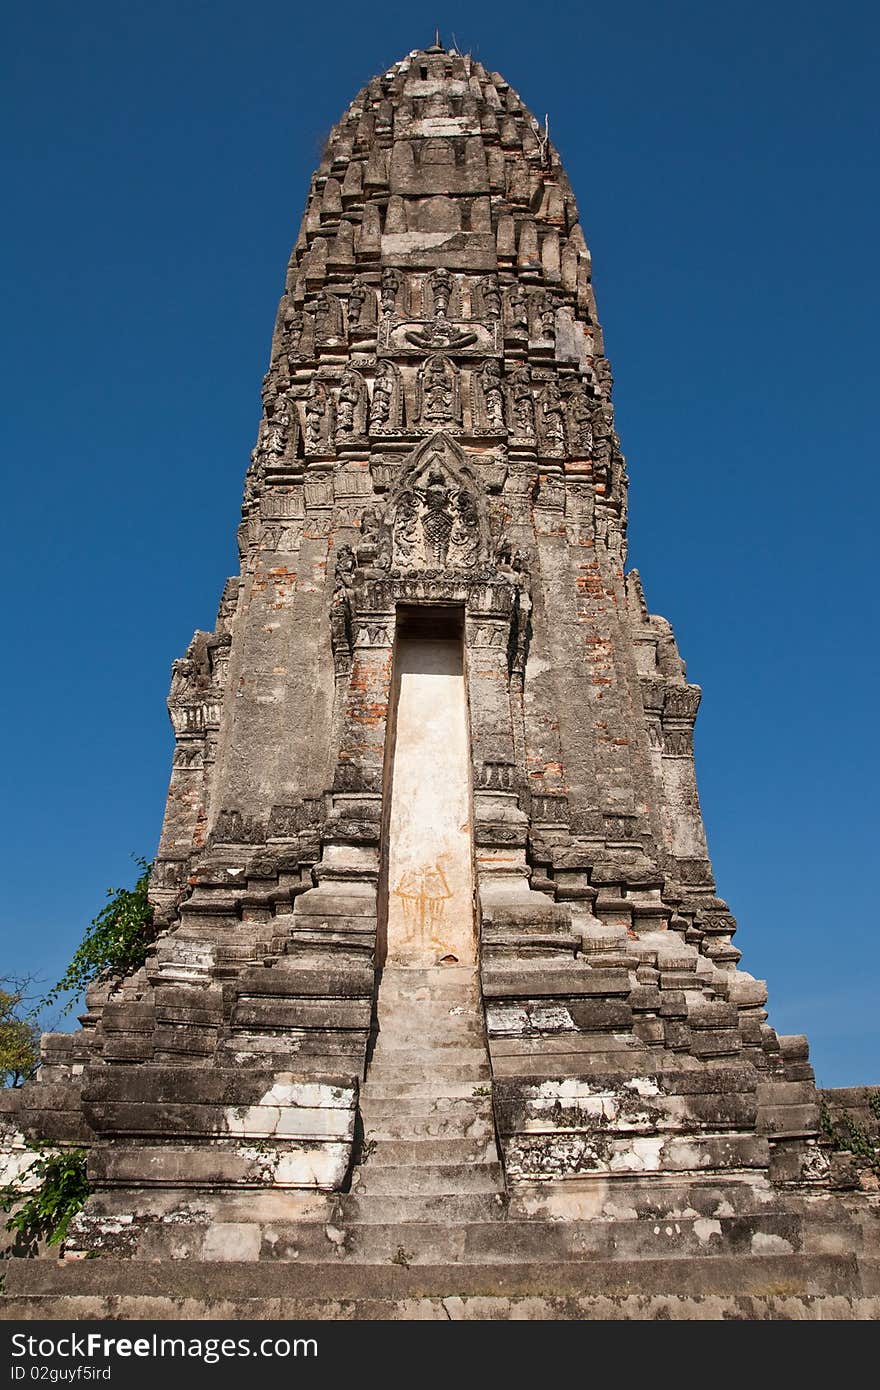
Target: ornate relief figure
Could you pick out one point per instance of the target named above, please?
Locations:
(319, 421)
(580, 420)
(435, 516)
(544, 315)
(386, 408)
(522, 404)
(351, 406)
(518, 308)
(439, 396)
(489, 397)
(552, 416)
(391, 283)
(328, 318)
(361, 304)
(490, 295)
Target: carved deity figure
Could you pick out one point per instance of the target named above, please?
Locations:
(518, 307)
(351, 407)
(291, 331)
(522, 612)
(438, 392)
(523, 404)
(391, 283)
(328, 318)
(492, 394)
(552, 419)
(437, 521)
(466, 530)
(275, 429)
(604, 439)
(374, 548)
(340, 607)
(358, 300)
(580, 420)
(406, 524)
(545, 315)
(317, 410)
(385, 408)
(491, 297)
(440, 288)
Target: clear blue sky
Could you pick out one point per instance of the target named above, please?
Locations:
(724, 157)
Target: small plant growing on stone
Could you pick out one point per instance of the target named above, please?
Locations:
(368, 1148)
(851, 1137)
(47, 1209)
(400, 1258)
(116, 941)
(481, 1091)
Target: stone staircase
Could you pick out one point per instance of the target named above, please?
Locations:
(428, 1125)
(429, 1229)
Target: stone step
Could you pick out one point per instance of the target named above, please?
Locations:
(410, 1023)
(431, 1087)
(447, 1208)
(439, 1061)
(419, 1152)
(431, 1044)
(428, 1179)
(416, 986)
(534, 1307)
(381, 1071)
(785, 1276)
(500, 1241)
(433, 1127)
(459, 1112)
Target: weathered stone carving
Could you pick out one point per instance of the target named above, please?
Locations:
(279, 432)
(319, 419)
(438, 393)
(386, 407)
(521, 412)
(551, 414)
(292, 325)
(604, 440)
(439, 286)
(517, 309)
(328, 319)
(488, 398)
(340, 610)
(391, 283)
(435, 513)
(490, 297)
(580, 422)
(352, 406)
(361, 305)
(375, 546)
(543, 316)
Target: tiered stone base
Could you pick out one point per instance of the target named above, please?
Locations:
(428, 1229)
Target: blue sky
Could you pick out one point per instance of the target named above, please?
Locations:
(156, 160)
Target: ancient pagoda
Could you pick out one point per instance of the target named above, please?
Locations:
(444, 1011)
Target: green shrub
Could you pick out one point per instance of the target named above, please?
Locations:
(115, 943)
(47, 1210)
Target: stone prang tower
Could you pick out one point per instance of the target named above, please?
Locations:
(444, 1000)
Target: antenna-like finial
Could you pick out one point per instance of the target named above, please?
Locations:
(436, 46)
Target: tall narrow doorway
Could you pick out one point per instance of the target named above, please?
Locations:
(428, 842)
